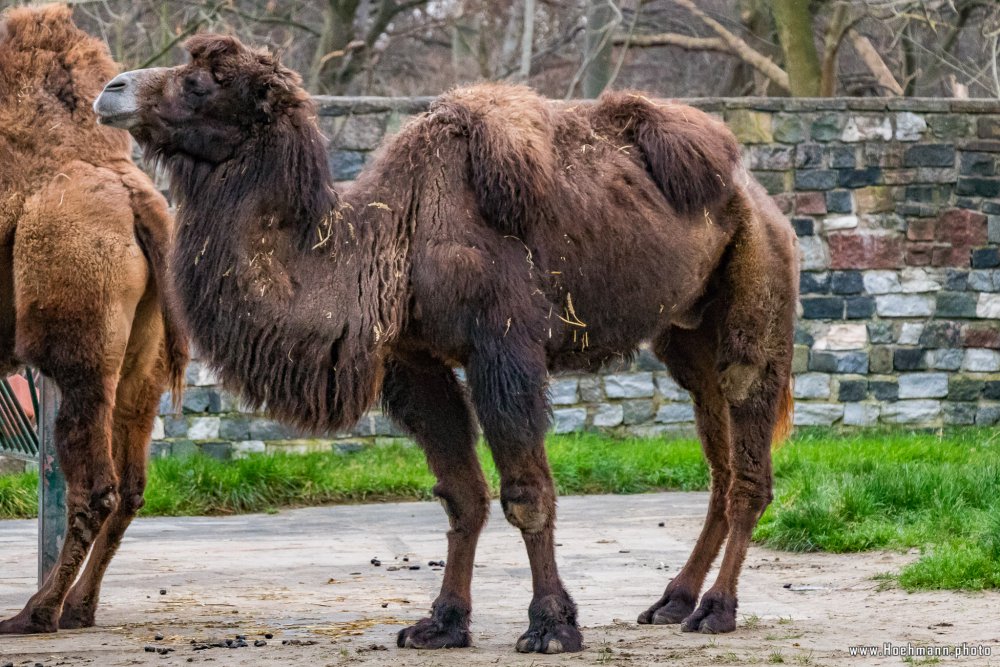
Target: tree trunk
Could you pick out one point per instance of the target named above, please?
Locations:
(600, 17)
(795, 31)
(331, 48)
(527, 39)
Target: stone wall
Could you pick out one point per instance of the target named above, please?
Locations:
(897, 206)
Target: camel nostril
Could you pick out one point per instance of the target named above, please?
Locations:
(116, 86)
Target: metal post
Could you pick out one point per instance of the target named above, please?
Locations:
(51, 484)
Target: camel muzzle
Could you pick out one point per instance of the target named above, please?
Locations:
(118, 103)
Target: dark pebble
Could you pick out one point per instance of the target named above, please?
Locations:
(392, 568)
(376, 562)
(149, 649)
(268, 635)
(787, 586)
(436, 563)
(158, 637)
(406, 559)
(241, 637)
(259, 643)
(384, 605)
(163, 591)
(414, 567)
(164, 650)
(662, 524)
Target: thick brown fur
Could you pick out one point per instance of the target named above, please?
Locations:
(84, 238)
(501, 232)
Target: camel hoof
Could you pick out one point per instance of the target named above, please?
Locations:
(672, 608)
(715, 615)
(74, 618)
(552, 627)
(29, 622)
(429, 633)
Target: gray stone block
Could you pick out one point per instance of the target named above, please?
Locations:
(608, 415)
(923, 385)
(988, 414)
(569, 420)
(920, 411)
(673, 413)
(861, 414)
(637, 411)
(981, 360)
(812, 385)
(591, 389)
(962, 414)
(222, 451)
(234, 428)
(203, 428)
(563, 391)
(817, 414)
(629, 385)
(904, 305)
(945, 359)
(669, 389)
(244, 448)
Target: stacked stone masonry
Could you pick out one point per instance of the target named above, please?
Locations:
(896, 203)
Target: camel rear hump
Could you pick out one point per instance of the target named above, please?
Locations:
(690, 155)
(511, 135)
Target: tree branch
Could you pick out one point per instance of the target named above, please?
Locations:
(686, 42)
(873, 61)
(739, 48)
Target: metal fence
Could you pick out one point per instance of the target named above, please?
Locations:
(20, 439)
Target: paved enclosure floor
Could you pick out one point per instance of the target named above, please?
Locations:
(305, 576)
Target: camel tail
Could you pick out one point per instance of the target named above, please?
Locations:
(175, 344)
(690, 155)
(786, 410)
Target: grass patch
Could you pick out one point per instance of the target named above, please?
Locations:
(894, 490)
(833, 491)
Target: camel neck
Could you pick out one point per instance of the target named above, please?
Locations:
(277, 277)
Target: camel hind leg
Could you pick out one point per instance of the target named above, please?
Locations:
(758, 294)
(691, 357)
(425, 398)
(143, 379)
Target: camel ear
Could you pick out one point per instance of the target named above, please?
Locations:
(209, 46)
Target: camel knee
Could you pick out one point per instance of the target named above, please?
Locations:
(467, 515)
(736, 381)
(529, 510)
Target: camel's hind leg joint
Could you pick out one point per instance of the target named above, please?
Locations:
(424, 397)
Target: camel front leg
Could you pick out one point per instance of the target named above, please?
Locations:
(83, 434)
(508, 386)
(423, 396)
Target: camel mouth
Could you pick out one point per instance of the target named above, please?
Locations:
(118, 104)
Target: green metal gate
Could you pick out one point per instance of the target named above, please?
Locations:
(20, 440)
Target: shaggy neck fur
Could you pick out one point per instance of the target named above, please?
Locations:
(279, 276)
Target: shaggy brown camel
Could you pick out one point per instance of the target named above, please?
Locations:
(83, 241)
(499, 232)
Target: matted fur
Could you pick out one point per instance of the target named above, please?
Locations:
(501, 232)
(50, 73)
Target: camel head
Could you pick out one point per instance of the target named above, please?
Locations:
(207, 109)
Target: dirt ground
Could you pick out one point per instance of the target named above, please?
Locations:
(305, 578)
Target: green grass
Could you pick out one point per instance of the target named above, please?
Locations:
(833, 492)
(894, 490)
